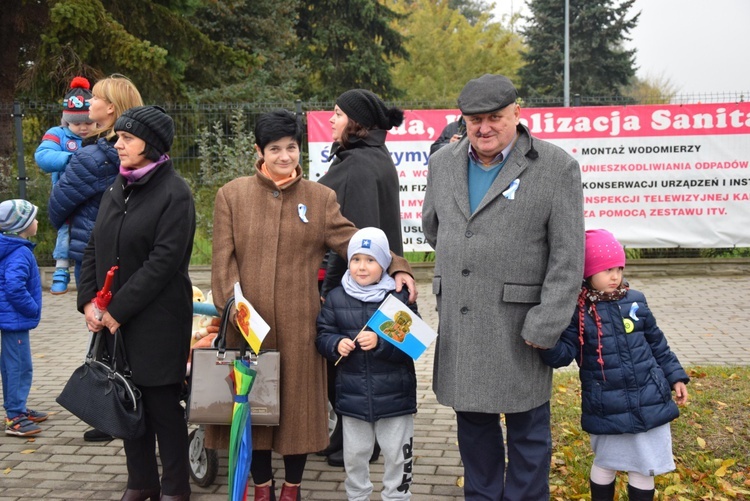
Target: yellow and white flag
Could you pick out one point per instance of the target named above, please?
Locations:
(252, 326)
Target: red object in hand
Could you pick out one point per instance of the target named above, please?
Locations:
(104, 296)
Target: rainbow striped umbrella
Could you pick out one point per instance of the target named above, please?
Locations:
(240, 439)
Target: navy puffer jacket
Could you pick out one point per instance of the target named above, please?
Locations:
(370, 385)
(632, 392)
(75, 197)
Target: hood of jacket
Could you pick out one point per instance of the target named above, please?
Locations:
(10, 243)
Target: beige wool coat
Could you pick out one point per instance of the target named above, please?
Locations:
(261, 241)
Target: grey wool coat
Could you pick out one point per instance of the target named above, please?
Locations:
(261, 241)
(508, 273)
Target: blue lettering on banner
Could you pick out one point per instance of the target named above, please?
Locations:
(421, 157)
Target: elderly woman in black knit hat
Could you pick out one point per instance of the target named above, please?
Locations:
(365, 180)
(145, 226)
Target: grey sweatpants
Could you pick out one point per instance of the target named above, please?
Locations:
(396, 437)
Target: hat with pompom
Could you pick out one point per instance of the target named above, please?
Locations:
(368, 110)
(76, 101)
(603, 252)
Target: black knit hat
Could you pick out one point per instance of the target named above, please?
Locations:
(369, 110)
(150, 123)
(486, 94)
(76, 102)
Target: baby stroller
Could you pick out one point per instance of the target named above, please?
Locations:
(204, 463)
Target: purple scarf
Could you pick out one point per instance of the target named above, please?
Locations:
(134, 175)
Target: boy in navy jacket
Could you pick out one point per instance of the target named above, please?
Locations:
(376, 385)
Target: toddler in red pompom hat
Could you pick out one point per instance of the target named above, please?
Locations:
(626, 369)
(53, 154)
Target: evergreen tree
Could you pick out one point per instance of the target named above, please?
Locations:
(348, 44)
(20, 27)
(599, 65)
(153, 43)
(265, 28)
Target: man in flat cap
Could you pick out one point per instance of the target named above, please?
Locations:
(504, 213)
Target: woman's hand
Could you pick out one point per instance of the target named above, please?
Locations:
(110, 323)
(404, 279)
(93, 324)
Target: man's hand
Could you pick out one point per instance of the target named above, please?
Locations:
(535, 345)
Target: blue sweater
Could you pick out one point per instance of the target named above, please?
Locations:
(370, 385)
(632, 393)
(20, 285)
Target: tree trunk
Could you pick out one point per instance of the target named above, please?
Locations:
(11, 23)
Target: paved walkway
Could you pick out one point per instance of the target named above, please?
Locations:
(706, 320)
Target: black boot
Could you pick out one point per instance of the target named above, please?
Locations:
(375, 453)
(336, 459)
(336, 441)
(601, 492)
(635, 494)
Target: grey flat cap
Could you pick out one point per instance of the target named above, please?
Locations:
(486, 94)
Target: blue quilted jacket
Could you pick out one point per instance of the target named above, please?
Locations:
(373, 384)
(632, 392)
(20, 285)
(76, 196)
(54, 152)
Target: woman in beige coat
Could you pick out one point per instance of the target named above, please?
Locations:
(271, 231)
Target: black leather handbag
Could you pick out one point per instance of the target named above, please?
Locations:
(101, 394)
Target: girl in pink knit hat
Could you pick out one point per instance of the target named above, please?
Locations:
(627, 374)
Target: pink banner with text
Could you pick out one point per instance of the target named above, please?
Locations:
(656, 176)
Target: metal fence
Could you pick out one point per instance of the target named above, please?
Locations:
(191, 119)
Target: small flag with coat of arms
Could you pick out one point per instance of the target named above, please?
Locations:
(400, 326)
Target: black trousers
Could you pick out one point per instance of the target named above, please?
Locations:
(260, 468)
(165, 422)
(480, 442)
